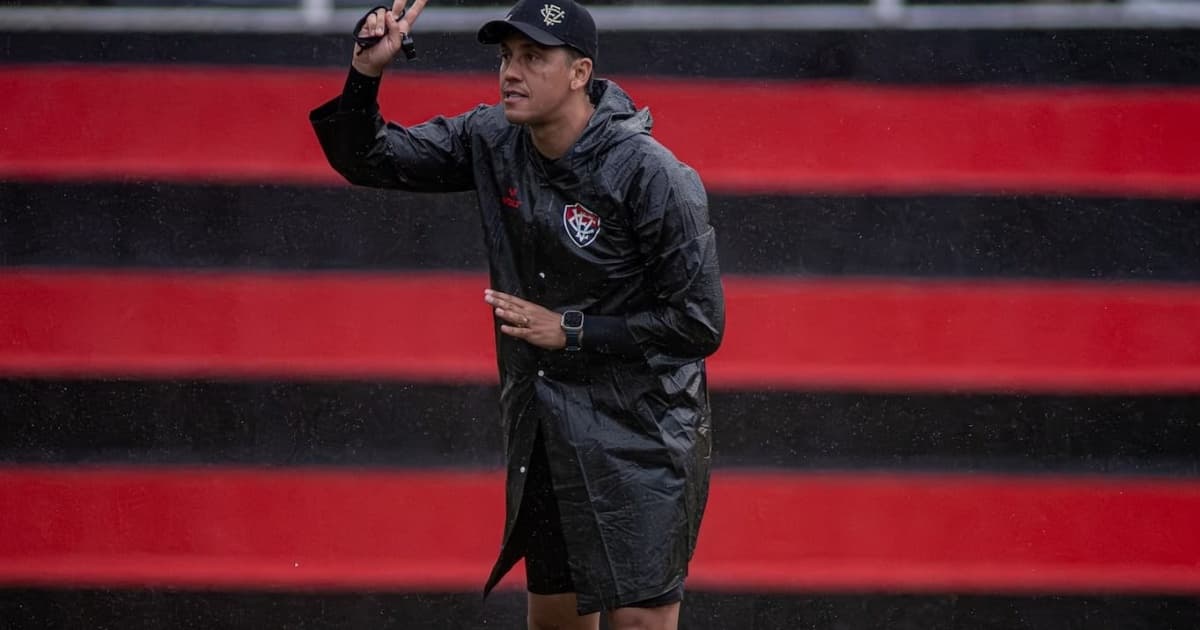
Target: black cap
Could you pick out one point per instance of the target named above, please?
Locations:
(547, 22)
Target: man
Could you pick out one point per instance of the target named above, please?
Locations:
(607, 298)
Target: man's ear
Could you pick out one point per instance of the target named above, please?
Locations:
(581, 72)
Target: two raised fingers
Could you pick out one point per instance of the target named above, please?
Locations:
(413, 12)
(376, 23)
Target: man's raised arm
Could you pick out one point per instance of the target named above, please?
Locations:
(431, 157)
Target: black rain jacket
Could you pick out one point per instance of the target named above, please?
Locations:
(627, 433)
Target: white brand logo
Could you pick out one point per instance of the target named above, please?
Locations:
(553, 14)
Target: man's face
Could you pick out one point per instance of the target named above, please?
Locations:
(535, 80)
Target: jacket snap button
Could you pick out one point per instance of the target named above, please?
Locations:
(541, 372)
(522, 469)
(541, 274)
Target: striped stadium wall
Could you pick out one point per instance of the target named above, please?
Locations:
(959, 388)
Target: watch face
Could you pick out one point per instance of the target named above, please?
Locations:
(572, 319)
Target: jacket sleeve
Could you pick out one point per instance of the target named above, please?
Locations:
(434, 156)
(687, 318)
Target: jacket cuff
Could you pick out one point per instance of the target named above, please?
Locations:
(608, 334)
(360, 92)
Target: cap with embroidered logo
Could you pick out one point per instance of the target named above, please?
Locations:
(553, 23)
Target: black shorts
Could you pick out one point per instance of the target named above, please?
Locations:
(546, 568)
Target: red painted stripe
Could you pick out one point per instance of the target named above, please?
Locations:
(440, 531)
(251, 125)
(872, 335)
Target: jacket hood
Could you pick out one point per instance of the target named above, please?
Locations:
(615, 119)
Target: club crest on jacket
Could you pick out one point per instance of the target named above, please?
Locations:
(582, 224)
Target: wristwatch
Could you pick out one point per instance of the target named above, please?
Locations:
(572, 325)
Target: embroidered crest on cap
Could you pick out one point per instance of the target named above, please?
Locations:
(582, 224)
(553, 14)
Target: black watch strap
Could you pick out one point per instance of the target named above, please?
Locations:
(574, 340)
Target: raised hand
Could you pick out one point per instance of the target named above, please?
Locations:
(371, 61)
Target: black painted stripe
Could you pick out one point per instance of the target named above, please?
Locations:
(157, 225)
(1163, 56)
(407, 425)
(161, 225)
(71, 609)
(244, 422)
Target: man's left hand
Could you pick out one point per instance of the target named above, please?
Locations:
(523, 319)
